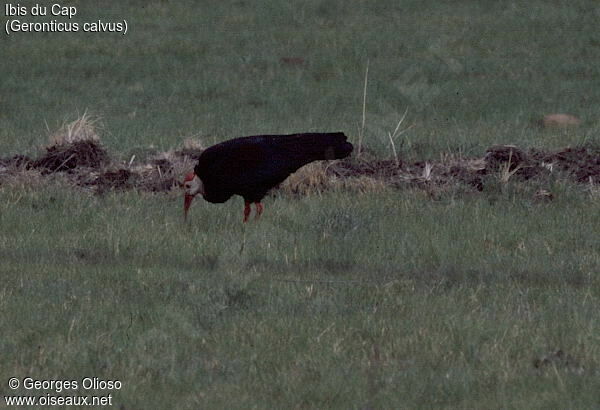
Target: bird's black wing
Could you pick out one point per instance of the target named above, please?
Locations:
(250, 166)
(237, 166)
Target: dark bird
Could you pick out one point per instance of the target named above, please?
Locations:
(251, 166)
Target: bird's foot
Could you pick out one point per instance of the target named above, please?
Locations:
(259, 209)
(247, 211)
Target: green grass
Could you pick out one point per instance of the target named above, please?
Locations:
(340, 300)
(471, 75)
(328, 301)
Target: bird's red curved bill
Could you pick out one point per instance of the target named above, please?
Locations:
(187, 201)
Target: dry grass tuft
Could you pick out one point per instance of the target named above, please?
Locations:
(506, 172)
(25, 178)
(15, 163)
(319, 177)
(82, 129)
(167, 169)
(543, 195)
(593, 189)
(310, 179)
(192, 144)
(362, 184)
(74, 145)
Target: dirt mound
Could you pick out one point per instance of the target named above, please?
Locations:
(582, 163)
(87, 164)
(468, 176)
(159, 173)
(510, 157)
(508, 160)
(71, 155)
(367, 165)
(113, 179)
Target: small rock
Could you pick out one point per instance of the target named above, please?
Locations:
(560, 121)
(292, 61)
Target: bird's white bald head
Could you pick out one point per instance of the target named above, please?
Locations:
(192, 186)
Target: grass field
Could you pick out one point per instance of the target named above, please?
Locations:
(386, 299)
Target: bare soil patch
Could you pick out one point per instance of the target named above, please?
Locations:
(72, 155)
(87, 164)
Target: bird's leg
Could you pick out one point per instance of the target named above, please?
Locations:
(247, 211)
(259, 209)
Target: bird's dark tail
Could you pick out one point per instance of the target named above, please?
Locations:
(310, 147)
